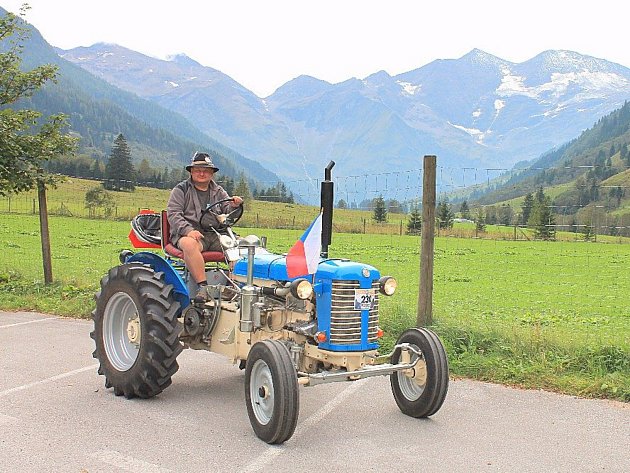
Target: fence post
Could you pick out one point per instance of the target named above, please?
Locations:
(425, 294)
(45, 235)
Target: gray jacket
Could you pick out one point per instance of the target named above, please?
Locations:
(184, 210)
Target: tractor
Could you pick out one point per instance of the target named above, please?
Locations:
(285, 332)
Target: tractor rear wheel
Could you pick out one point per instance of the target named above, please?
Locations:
(136, 331)
(420, 392)
(271, 391)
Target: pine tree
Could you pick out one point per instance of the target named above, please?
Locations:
(541, 218)
(464, 210)
(119, 171)
(228, 185)
(526, 208)
(588, 232)
(242, 190)
(380, 211)
(414, 224)
(445, 215)
(96, 172)
(480, 220)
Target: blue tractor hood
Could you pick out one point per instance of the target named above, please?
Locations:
(336, 286)
(274, 267)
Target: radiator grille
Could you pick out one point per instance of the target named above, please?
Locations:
(345, 321)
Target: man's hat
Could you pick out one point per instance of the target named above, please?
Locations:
(201, 160)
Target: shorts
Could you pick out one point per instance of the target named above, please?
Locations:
(210, 242)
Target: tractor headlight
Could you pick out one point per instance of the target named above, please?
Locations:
(387, 285)
(302, 289)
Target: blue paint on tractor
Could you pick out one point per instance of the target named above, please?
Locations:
(171, 276)
(273, 267)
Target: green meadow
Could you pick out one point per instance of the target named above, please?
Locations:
(551, 315)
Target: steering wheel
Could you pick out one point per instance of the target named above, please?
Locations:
(210, 218)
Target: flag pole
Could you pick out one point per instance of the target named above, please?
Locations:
(327, 201)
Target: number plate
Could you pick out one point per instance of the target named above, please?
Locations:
(364, 299)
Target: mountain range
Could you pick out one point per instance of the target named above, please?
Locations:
(478, 111)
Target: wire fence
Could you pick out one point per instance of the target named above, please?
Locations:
(355, 195)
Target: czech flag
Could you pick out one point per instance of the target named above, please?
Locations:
(303, 257)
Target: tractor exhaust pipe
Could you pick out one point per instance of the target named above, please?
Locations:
(327, 203)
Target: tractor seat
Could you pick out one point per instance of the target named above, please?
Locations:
(172, 250)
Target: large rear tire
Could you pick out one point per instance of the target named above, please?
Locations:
(421, 392)
(271, 392)
(136, 331)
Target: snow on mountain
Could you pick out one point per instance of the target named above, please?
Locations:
(478, 110)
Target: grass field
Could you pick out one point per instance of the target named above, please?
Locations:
(552, 315)
(68, 199)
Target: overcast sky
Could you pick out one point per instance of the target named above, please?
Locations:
(264, 43)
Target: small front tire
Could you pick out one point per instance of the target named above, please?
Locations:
(271, 392)
(421, 393)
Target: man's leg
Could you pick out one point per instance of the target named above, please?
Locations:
(194, 262)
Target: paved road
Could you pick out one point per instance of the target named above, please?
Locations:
(56, 416)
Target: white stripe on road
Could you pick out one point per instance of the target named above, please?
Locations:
(29, 322)
(48, 380)
(127, 463)
(273, 451)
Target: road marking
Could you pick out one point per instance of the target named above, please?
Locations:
(275, 450)
(127, 463)
(48, 380)
(29, 322)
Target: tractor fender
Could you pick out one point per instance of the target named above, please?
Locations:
(171, 276)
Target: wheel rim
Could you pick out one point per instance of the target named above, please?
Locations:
(409, 387)
(121, 331)
(261, 392)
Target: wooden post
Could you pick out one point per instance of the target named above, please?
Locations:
(43, 228)
(425, 293)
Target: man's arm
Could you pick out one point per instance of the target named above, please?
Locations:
(175, 213)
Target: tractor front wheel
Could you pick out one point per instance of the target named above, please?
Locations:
(420, 391)
(271, 391)
(136, 331)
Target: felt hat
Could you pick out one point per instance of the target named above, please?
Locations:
(201, 160)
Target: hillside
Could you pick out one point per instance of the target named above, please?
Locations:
(586, 175)
(98, 112)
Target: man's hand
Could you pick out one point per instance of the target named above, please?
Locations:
(196, 234)
(237, 200)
